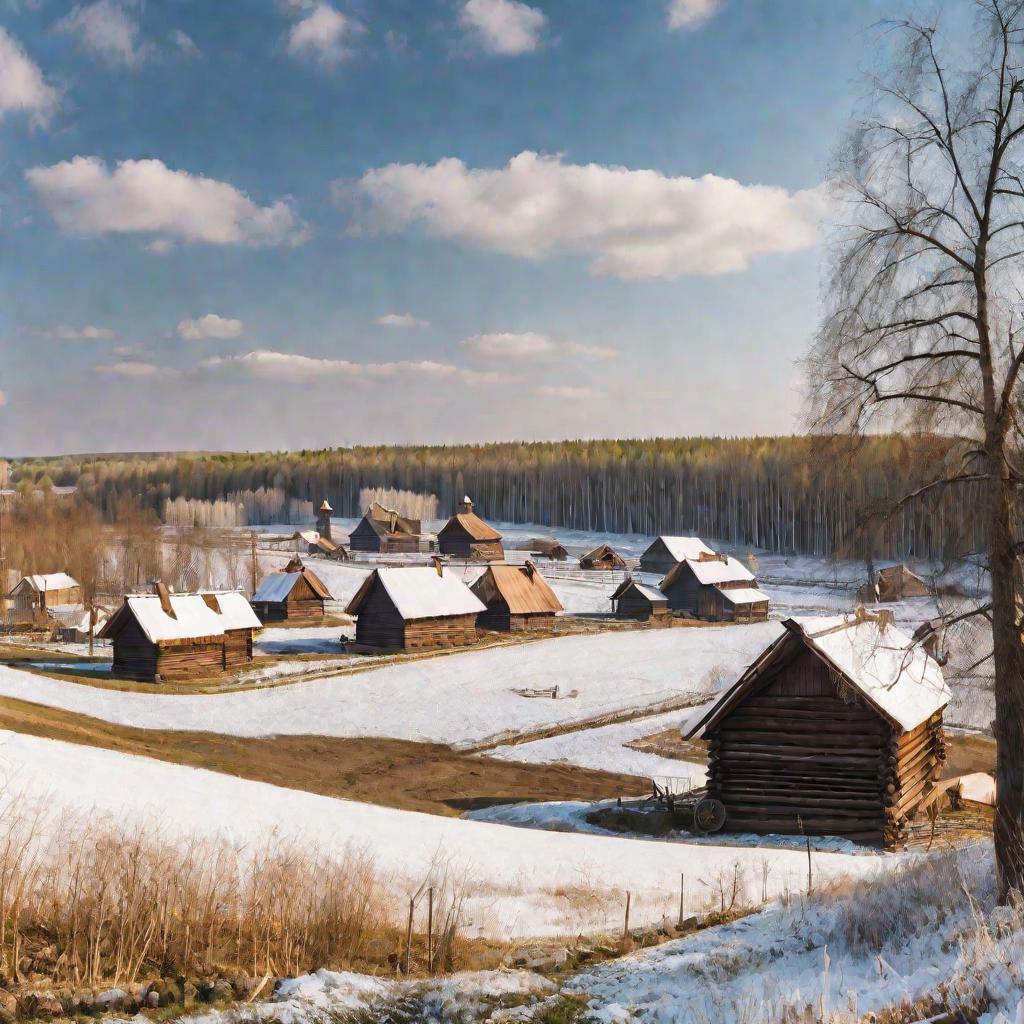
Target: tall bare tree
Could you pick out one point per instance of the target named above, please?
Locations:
(922, 330)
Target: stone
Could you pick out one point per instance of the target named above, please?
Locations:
(223, 991)
(153, 998)
(113, 999)
(8, 1001)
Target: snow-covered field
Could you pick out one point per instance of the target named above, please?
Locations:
(298, 640)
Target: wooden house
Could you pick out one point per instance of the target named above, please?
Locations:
(893, 581)
(717, 588)
(467, 536)
(548, 547)
(32, 596)
(295, 594)
(633, 600)
(836, 729)
(414, 608)
(603, 557)
(385, 531)
(163, 636)
(665, 553)
(517, 598)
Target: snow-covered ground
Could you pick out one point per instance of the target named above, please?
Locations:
(525, 882)
(298, 640)
(463, 698)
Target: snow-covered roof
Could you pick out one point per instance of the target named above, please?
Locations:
(420, 592)
(742, 595)
(276, 587)
(681, 548)
(652, 594)
(235, 610)
(50, 581)
(715, 570)
(192, 617)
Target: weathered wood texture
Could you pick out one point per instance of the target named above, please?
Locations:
(302, 604)
(633, 605)
(497, 617)
(380, 627)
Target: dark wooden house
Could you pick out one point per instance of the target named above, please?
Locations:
(717, 588)
(603, 557)
(517, 598)
(414, 608)
(639, 601)
(546, 547)
(893, 582)
(385, 531)
(295, 594)
(163, 636)
(33, 597)
(836, 729)
(467, 536)
(665, 553)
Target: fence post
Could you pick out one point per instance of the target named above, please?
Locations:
(625, 927)
(408, 939)
(682, 898)
(430, 930)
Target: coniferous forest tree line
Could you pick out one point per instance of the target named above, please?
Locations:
(804, 494)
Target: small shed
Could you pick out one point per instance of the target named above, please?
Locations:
(546, 546)
(638, 601)
(893, 581)
(665, 553)
(239, 621)
(32, 596)
(604, 556)
(295, 594)
(313, 542)
(836, 729)
(414, 608)
(385, 531)
(466, 535)
(715, 587)
(517, 598)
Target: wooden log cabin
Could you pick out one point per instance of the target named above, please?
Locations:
(165, 637)
(633, 600)
(414, 608)
(605, 557)
(33, 597)
(385, 531)
(836, 729)
(665, 553)
(717, 588)
(467, 536)
(546, 547)
(295, 594)
(517, 598)
(893, 581)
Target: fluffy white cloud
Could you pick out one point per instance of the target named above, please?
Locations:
(210, 326)
(503, 27)
(567, 391)
(88, 333)
(127, 369)
(147, 197)
(507, 345)
(322, 34)
(628, 223)
(575, 348)
(401, 320)
(691, 13)
(22, 85)
(185, 43)
(107, 31)
(287, 366)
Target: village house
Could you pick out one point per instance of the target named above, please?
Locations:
(467, 536)
(892, 581)
(239, 621)
(633, 600)
(517, 598)
(548, 547)
(414, 608)
(294, 594)
(385, 531)
(715, 587)
(836, 729)
(604, 556)
(34, 596)
(665, 553)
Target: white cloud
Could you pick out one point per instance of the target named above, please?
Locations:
(503, 27)
(690, 14)
(88, 333)
(401, 320)
(107, 31)
(321, 34)
(566, 391)
(628, 223)
(147, 197)
(286, 366)
(127, 369)
(507, 345)
(22, 85)
(185, 43)
(575, 348)
(210, 326)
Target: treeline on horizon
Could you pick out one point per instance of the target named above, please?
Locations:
(801, 494)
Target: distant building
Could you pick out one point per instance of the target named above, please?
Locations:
(893, 581)
(517, 598)
(715, 587)
(604, 556)
(546, 546)
(323, 520)
(639, 601)
(665, 553)
(385, 531)
(32, 596)
(414, 608)
(467, 536)
(295, 594)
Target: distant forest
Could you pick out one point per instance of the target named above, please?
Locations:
(801, 494)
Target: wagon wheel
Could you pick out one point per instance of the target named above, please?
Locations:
(708, 815)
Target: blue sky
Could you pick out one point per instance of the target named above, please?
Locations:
(281, 223)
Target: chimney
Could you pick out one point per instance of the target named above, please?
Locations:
(295, 565)
(467, 505)
(323, 520)
(165, 598)
(530, 568)
(438, 565)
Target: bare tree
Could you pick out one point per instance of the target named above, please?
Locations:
(923, 309)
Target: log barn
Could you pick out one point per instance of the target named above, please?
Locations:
(717, 588)
(414, 608)
(548, 547)
(893, 581)
(239, 622)
(638, 601)
(836, 729)
(295, 594)
(32, 596)
(516, 597)
(385, 531)
(665, 553)
(467, 536)
(604, 556)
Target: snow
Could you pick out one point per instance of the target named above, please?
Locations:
(742, 595)
(421, 592)
(524, 881)
(192, 617)
(299, 640)
(463, 698)
(51, 581)
(235, 610)
(716, 570)
(655, 596)
(683, 548)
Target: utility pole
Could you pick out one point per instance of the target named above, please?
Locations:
(254, 566)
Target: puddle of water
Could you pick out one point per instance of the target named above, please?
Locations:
(72, 666)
